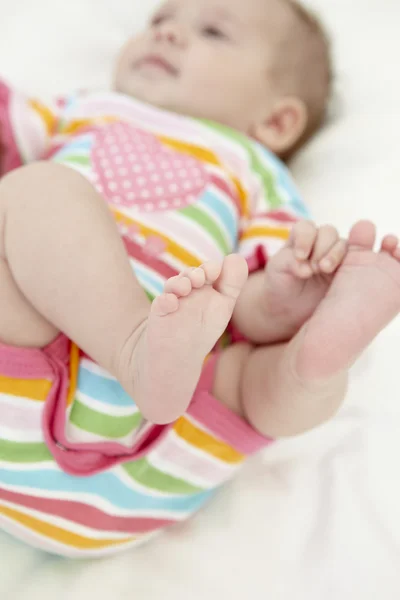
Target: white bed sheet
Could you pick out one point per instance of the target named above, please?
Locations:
(316, 517)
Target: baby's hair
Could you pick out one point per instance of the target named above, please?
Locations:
(306, 68)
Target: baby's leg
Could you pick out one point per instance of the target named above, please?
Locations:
(260, 385)
(287, 389)
(63, 265)
(20, 323)
(64, 268)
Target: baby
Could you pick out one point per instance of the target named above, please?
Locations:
(124, 265)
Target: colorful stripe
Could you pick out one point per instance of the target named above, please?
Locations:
(46, 115)
(83, 514)
(199, 216)
(203, 441)
(263, 232)
(21, 452)
(105, 486)
(102, 424)
(265, 175)
(105, 389)
(34, 389)
(141, 471)
(172, 247)
(59, 534)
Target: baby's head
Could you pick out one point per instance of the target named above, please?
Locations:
(260, 66)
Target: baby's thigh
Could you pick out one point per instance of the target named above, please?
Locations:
(228, 376)
(20, 323)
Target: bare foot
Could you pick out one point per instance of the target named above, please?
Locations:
(362, 300)
(184, 325)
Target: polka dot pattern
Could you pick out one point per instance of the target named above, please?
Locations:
(135, 170)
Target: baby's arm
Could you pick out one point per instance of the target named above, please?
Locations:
(277, 301)
(26, 127)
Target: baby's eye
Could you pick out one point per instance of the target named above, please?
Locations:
(157, 20)
(212, 31)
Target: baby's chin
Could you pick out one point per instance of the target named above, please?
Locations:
(158, 96)
(149, 94)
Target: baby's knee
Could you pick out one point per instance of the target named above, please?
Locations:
(42, 175)
(42, 189)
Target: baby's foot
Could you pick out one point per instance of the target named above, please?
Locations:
(299, 275)
(362, 300)
(184, 325)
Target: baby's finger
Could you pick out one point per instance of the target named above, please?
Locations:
(302, 270)
(327, 237)
(302, 239)
(334, 257)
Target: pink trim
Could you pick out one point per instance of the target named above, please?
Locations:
(258, 260)
(220, 420)
(31, 363)
(10, 157)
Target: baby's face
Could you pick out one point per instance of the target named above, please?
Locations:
(207, 59)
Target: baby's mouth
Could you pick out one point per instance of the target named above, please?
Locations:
(157, 62)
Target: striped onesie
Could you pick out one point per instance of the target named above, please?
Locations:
(80, 475)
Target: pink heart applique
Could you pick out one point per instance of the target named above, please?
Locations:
(134, 169)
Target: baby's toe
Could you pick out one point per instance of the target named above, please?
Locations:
(390, 244)
(197, 277)
(180, 285)
(164, 304)
(212, 270)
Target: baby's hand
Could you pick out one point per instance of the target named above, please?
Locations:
(313, 250)
(298, 276)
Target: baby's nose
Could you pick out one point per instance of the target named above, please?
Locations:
(169, 32)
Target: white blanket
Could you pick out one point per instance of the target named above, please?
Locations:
(314, 518)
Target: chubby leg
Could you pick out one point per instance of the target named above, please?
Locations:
(20, 323)
(284, 390)
(63, 267)
(260, 385)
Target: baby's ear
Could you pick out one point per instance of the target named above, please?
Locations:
(283, 126)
